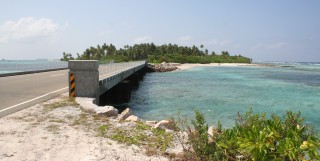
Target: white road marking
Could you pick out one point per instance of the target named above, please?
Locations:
(32, 99)
(56, 75)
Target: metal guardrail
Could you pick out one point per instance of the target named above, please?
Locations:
(115, 68)
(26, 67)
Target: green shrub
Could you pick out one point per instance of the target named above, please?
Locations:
(255, 137)
(203, 149)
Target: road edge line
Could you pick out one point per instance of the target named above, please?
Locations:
(25, 104)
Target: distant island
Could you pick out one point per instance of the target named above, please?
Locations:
(156, 54)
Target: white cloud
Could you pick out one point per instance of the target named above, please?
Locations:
(185, 38)
(27, 27)
(142, 39)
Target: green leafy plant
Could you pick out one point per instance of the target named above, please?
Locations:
(258, 138)
(203, 149)
(254, 137)
(196, 144)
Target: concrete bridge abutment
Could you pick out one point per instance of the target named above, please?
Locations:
(86, 77)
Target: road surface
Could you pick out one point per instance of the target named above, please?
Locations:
(15, 90)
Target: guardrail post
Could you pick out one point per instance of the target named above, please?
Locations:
(86, 77)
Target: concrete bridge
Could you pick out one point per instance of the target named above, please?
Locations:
(89, 79)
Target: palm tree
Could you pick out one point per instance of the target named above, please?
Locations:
(206, 51)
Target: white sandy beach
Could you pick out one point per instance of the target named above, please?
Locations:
(38, 134)
(188, 66)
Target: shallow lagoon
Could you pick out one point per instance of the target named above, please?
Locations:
(221, 92)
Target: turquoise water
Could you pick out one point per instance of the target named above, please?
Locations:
(220, 92)
(13, 66)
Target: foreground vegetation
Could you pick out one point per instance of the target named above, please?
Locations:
(254, 137)
(156, 54)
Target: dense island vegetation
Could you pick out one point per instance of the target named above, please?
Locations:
(156, 54)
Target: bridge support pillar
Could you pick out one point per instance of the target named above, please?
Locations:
(86, 76)
(134, 80)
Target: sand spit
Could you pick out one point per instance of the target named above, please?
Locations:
(188, 66)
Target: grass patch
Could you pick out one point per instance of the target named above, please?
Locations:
(53, 128)
(102, 130)
(82, 120)
(65, 102)
(85, 121)
(125, 136)
(69, 117)
(99, 118)
(40, 118)
(57, 120)
(26, 118)
(156, 141)
(162, 139)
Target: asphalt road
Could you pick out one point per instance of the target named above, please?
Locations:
(21, 88)
(21, 91)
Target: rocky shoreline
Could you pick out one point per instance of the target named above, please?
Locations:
(163, 67)
(126, 115)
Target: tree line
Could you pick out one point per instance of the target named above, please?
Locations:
(156, 54)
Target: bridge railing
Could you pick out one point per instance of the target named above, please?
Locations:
(116, 68)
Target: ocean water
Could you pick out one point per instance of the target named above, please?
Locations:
(221, 92)
(13, 66)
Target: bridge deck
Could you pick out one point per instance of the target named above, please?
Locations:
(92, 80)
(112, 74)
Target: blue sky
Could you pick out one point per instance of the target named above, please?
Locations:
(270, 30)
